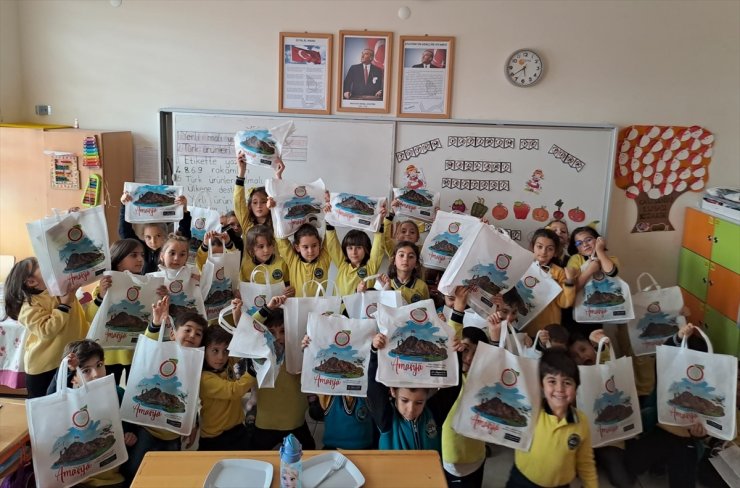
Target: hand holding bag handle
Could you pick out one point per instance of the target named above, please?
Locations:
(600, 347)
(261, 268)
(685, 345)
(167, 320)
(62, 376)
(222, 321)
(507, 329)
(320, 290)
(653, 286)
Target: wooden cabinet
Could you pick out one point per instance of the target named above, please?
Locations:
(26, 193)
(709, 277)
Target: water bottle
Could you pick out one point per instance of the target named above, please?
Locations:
(291, 468)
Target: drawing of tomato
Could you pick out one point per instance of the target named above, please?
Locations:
(75, 233)
(609, 385)
(81, 417)
(176, 286)
(576, 215)
(540, 214)
(695, 372)
(419, 315)
(454, 228)
(508, 377)
(341, 338)
(200, 223)
(371, 309)
(521, 210)
(558, 214)
(300, 191)
(220, 274)
(168, 368)
(499, 212)
(132, 294)
(503, 261)
(530, 281)
(260, 300)
(654, 307)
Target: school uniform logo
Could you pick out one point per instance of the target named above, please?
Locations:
(361, 413)
(415, 298)
(362, 272)
(431, 429)
(277, 274)
(574, 440)
(318, 273)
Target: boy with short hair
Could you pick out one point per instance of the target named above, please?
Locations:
(561, 444)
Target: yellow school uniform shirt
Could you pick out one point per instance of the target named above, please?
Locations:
(241, 208)
(202, 255)
(413, 291)
(348, 277)
(552, 312)
(301, 271)
(221, 401)
(112, 356)
(49, 331)
(275, 268)
(561, 449)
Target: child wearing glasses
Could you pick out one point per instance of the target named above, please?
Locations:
(587, 251)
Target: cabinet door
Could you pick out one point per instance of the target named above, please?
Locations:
(723, 292)
(698, 232)
(723, 332)
(696, 308)
(726, 245)
(693, 271)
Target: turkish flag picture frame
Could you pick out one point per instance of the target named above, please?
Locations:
(305, 73)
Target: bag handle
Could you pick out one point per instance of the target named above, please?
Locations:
(167, 319)
(537, 338)
(62, 373)
(222, 321)
(166, 271)
(505, 326)
(653, 286)
(600, 347)
(710, 349)
(263, 269)
(319, 287)
(140, 280)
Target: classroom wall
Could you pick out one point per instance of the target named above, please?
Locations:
(10, 67)
(623, 62)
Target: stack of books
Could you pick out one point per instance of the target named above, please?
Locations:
(722, 201)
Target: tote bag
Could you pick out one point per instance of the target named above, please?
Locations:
(256, 295)
(446, 235)
(296, 322)
(536, 290)
(490, 262)
(418, 353)
(12, 347)
(419, 204)
(695, 386)
(126, 310)
(152, 203)
(163, 385)
(608, 397)
(263, 147)
(336, 360)
(355, 211)
(295, 205)
(72, 248)
(657, 315)
(202, 220)
(219, 281)
(185, 295)
(364, 305)
(254, 341)
(501, 400)
(75, 432)
(603, 299)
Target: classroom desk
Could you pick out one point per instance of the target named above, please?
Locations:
(381, 469)
(13, 435)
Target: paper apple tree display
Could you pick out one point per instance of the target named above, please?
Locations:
(657, 164)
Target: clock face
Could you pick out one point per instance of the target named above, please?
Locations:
(524, 68)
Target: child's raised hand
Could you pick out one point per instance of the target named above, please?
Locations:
(493, 322)
(126, 197)
(570, 274)
(544, 339)
(461, 297)
(327, 208)
(596, 336)
(600, 244)
(70, 296)
(182, 200)
(236, 310)
(105, 283)
(395, 203)
(241, 164)
(327, 197)
(160, 309)
(72, 361)
(279, 168)
(129, 439)
(379, 341)
(384, 280)
(208, 236)
(276, 302)
(361, 286)
(289, 291)
(305, 341)
(697, 430)
(195, 277)
(687, 331)
(162, 291)
(383, 212)
(270, 202)
(458, 345)
(528, 340)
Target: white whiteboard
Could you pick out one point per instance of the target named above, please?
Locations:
(496, 164)
(353, 155)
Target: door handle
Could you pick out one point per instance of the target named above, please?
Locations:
(715, 239)
(704, 280)
(709, 238)
(711, 283)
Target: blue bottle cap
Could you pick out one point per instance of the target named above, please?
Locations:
(291, 450)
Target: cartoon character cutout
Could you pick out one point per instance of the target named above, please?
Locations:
(533, 184)
(414, 178)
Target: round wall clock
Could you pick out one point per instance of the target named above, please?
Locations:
(524, 68)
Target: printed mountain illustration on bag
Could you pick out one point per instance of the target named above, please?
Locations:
(356, 204)
(126, 316)
(488, 277)
(421, 198)
(162, 394)
(153, 196)
(79, 252)
(503, 405)
(696, 397)
(611, 408)
(300, 207)
(419, 342)
(258, 142)
(526, 298)
(446, 243)
(220, 293)
(82, 445)
(339, 362)
(180, 304)
(604, 293)
(657, 325)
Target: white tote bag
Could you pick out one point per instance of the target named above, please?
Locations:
(72, 248)
(295, 205)
(446, 235)
(256, 295)
(336, 360)
(75, 432)
(296, 322)
(419, 204)
(12, 346)
(254, 341)
(501, 400)
(657, 315)
(219, 281)
(263, 147)
(418, 352)
(152, 203)
(184, 290)
(202, 220)
(603, 299)
(536, 289)
(489, 261)
(608, 397)
(126, 310)
(356, 211)
(364, 305)
(695, 386)
(163, 386)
